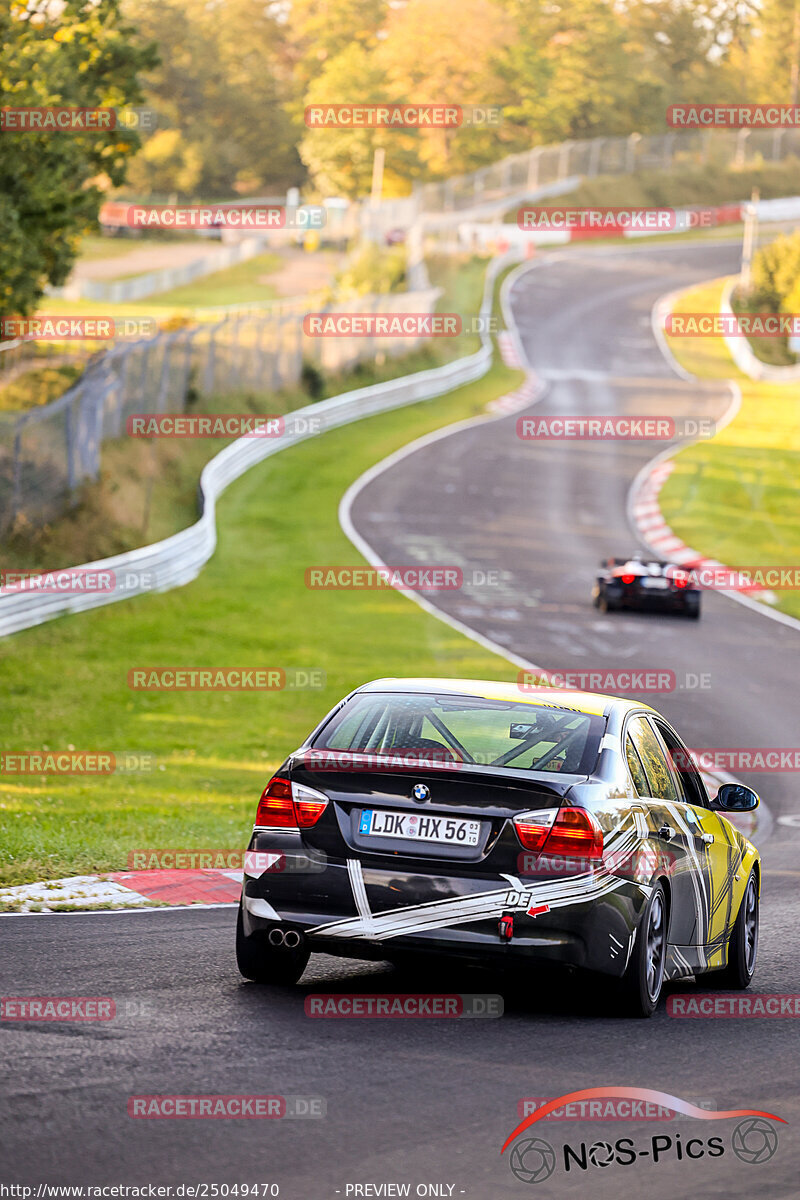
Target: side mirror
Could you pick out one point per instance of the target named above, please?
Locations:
(735, 797)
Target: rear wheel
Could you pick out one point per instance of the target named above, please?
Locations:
(742, 944)
(604, 605)
(264, 963)
(642, 982)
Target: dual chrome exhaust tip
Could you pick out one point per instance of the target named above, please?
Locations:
(290, 939)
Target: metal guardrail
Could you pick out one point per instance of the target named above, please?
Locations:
(178, 559)
(151, 283)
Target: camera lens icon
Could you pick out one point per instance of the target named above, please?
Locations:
(754, 1140)
(533, 1160)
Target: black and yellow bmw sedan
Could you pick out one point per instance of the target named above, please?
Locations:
(471, 818)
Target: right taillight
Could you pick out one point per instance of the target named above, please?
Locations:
(575, 833)
(287, 805)
(568, 832)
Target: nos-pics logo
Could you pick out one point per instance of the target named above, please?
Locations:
(532, 1159)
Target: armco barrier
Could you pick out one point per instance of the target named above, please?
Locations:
(178, 559)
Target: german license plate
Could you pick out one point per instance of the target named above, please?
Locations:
(416, 827)
(655, 581)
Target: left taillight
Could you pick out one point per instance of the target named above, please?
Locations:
(287, 805)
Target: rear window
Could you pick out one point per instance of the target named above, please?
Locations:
(495, 733)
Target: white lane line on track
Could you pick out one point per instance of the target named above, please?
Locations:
(115, 912)
(375, 560)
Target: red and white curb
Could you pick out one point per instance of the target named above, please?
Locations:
(522, 397)
(126, 889)
(657, 535)
(527, 393)
(508, 350)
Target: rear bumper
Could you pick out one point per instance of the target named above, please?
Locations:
(345, 908)
(656, 601)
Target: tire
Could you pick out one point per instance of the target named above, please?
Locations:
(742, 944)
(263, 963)
(640, 987)
(603, 605)
(693, 614)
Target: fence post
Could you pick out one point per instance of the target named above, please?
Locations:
(533, 167)
(669, 141)
(630, 153)
(594, 156)
(563, 160)
(70, 433)
(741, 147)
(208, 374)
(16, 487)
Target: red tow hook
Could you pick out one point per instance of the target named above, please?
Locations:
(505, 927)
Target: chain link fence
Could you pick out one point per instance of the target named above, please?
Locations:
(48, 452)
(546, 165)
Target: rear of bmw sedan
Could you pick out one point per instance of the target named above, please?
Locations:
(421, 818)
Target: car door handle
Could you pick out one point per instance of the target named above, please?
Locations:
(666, 832)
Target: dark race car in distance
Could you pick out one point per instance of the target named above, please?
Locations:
(459, 817)
(646, 585)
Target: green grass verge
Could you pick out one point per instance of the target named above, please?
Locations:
(240, 284)
(66, 682)
(735, 498)
(96, 247)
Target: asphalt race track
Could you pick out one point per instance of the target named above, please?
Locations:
(430, 1102)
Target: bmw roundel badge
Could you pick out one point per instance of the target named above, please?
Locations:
(421, 792)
